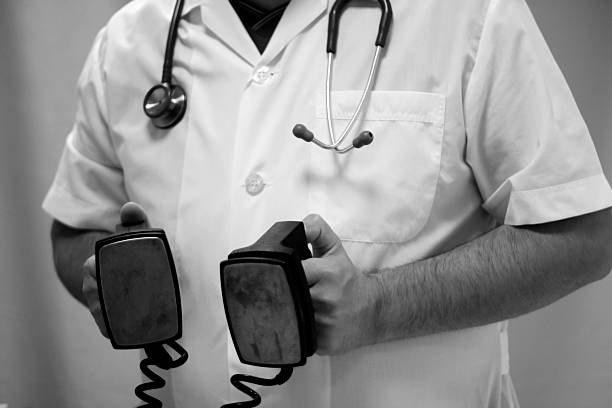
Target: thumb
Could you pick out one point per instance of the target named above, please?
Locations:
(133, 217)
(320, 235)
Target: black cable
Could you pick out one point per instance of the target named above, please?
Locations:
(237, 381)
(156, 383)
(157, 356)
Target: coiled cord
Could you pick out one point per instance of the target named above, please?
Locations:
(238, 380)
(156, 383)
(159, 357)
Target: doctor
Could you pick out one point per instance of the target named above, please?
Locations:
(481, 197)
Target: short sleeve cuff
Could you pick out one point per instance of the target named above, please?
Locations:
(69, 210)
(85, 194)
(558, 202)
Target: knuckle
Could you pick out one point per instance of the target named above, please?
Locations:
(90, 262)
(89, 266)
(90, 287)
(313, 218)
(325, 306)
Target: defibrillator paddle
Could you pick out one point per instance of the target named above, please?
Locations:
(139, 295)
(267, 305)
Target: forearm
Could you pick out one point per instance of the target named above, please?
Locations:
(503, 274)
(71, 247)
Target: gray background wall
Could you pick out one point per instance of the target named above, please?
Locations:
(561, 356)
(50, 352)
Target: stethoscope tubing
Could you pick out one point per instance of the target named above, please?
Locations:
(171, 42)
(364, 138)
(335, 144)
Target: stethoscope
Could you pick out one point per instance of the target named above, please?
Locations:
(165, 103)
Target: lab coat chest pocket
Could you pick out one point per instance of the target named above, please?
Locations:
(382, 192)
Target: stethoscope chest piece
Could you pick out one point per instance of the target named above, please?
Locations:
(165, 104)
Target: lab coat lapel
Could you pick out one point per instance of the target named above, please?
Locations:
(298, 15)
(219, 17)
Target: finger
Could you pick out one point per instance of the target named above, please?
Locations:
(90, 283)
(90, 292)
(321, 302)
(320, 235)
(96, 312)
(312, 270)
(132, 216)
(90, 266)
(325, 336)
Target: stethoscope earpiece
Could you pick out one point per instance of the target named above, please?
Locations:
(301, 132)
(165, 104)
(363, 139)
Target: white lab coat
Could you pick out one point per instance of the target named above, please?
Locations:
(473, 126)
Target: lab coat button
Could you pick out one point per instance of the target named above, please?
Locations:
(262, 75)
(254, 184)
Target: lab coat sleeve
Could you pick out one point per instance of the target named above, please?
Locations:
(527, 144)
(88, 188)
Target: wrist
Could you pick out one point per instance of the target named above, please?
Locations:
(373, 327)
(393, 304)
